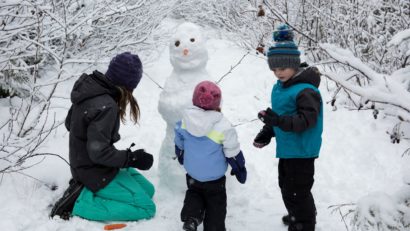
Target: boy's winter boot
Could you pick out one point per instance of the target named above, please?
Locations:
(286, 220)
(190, 225)
(64, 206)
(302, 227)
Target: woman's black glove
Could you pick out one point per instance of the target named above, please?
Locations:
(139, 159)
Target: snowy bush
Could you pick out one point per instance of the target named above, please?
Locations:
(364, 27)
(238, 20)
(35, 34)
(40, 40)
(382, 212)
(368, 87)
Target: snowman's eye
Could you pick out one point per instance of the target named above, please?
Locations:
(177, 43)
(192, 40)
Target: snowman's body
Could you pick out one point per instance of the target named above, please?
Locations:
(188, 56)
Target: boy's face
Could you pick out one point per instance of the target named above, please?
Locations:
(284, 74)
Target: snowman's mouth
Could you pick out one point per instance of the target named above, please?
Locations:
(186, 58)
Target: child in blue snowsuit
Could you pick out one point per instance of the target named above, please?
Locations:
(296, 120)
(205, 142)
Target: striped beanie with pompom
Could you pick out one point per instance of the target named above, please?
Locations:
(284, 52)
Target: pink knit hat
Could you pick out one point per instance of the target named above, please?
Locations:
(207, 96)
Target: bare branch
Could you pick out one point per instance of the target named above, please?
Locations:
(232, 68)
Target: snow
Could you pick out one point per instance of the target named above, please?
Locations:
(405, 168)
(356, 159)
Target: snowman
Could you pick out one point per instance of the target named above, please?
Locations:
(188, 56)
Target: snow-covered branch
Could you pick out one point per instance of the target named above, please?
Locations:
(399, 38)
(382, 88)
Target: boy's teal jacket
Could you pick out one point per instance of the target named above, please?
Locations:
(299, 105)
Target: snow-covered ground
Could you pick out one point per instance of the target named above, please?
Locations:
(357, 157)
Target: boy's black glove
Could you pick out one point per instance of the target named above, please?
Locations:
(269, 117)
(139, 159)
(180, 155)
(264, 137)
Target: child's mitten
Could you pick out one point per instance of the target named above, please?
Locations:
(238, 167)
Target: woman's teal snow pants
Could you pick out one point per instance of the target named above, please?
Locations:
(128, 197)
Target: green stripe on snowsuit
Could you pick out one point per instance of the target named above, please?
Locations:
(213, 135)
(128, 197)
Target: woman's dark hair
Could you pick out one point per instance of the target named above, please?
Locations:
(125, 98)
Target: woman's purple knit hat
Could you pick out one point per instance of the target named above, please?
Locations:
(125, 70)
(207, 95)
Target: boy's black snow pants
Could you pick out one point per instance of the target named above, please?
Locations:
(296, 181)
(205, 201)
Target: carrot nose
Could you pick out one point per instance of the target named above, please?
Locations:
(185, 51)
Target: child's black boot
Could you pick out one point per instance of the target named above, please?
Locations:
(64, 206)
(286, 220)
(190, 225)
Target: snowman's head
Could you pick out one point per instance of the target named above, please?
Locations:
(187, 48)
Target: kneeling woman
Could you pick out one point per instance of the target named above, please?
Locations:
(105, 185)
